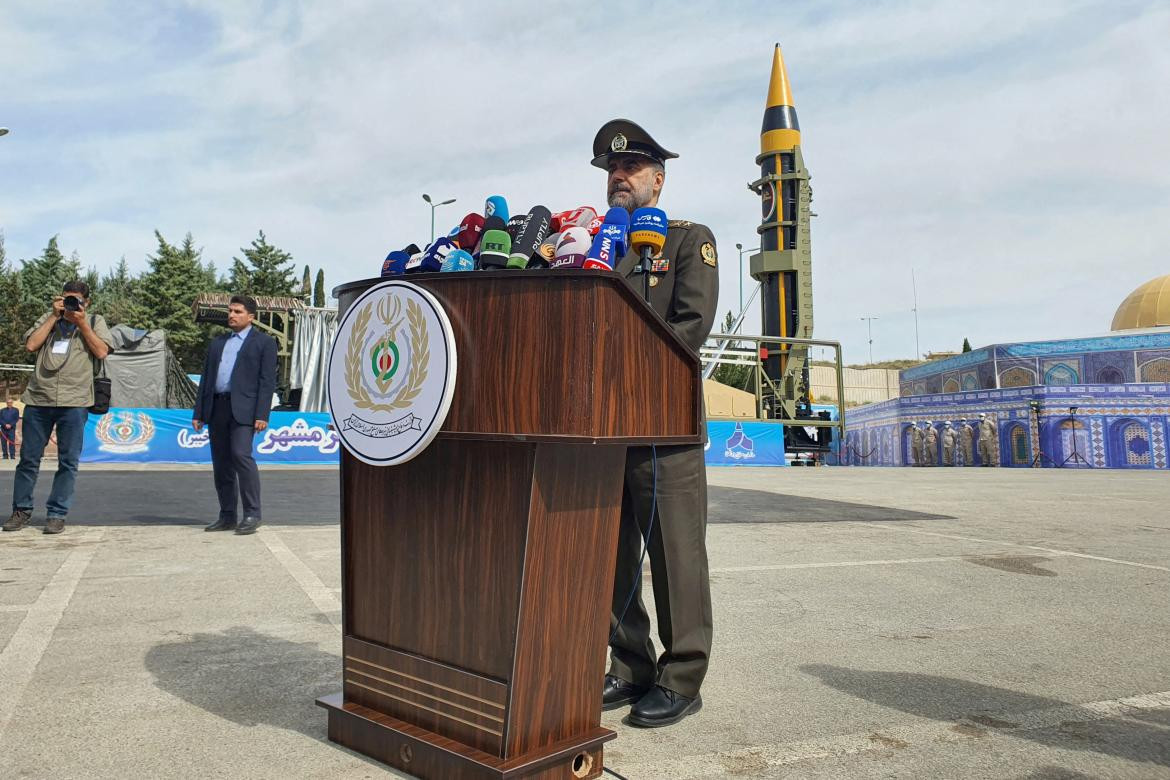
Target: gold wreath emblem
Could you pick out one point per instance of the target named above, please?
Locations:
(105, 433)
(419, 349)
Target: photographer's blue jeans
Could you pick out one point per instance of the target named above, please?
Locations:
(38, 423)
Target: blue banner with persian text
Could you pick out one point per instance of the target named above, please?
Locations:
(166, 436)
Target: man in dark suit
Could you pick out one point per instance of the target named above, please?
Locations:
(235, 398)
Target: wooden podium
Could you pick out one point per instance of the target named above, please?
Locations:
(477, 578)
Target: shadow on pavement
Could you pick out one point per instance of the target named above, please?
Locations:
(312, 498)
(112, 498)
(739, 505)
(249, 678)
(1140, 737)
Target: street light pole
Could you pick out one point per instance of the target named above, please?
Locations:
(869, 323)
(914, 288)
(741, 251)
(434, 206)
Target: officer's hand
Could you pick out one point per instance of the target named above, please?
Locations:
(260, 425)
(197, 425)
(58, 305)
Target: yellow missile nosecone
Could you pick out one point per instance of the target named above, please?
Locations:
(781, 130)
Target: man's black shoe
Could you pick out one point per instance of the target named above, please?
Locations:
(618, 693)
(55, 524)
(221, 525)
(248, 526)
(662, 707)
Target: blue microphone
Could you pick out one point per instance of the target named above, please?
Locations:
(458, 260)
(436, 253)
(604, 254)
(647, 233)
(496, 206)
(617, 228)
(395, 263)
(647, 236)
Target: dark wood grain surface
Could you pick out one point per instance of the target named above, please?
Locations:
(562, 353)
(435, 547)
(441, 698)
(564, 608)
(477, 577)
(426, 755)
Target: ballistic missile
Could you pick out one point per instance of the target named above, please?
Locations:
(784, 262)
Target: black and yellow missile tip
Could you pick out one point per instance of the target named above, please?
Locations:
(781, 130)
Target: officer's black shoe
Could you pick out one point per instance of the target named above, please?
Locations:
(618, 693)
(662, 707)
(248, 526)
(221, 525)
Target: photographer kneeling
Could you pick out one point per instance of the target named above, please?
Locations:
(67, 342)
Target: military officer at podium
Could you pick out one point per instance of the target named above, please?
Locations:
(684, 290)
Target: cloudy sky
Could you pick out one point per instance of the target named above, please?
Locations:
(1015, 155)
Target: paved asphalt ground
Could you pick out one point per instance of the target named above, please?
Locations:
(870, 623)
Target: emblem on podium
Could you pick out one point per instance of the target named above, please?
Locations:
(391, 373)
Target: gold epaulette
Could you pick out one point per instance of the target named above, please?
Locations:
(679, 223)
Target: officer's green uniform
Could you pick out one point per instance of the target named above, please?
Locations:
(685, 292)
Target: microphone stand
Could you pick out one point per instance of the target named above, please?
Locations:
(645, 271)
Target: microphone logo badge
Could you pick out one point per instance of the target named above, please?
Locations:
(391, 373)
(618, 144)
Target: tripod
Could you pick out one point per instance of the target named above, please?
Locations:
(1074, 456)
(1040, 454)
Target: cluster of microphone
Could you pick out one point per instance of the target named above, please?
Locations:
(577, 238)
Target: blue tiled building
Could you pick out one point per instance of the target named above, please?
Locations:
(1101, 402)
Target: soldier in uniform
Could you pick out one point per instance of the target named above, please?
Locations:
(930, 447)
(915, 445)
(948, 441)
(987, 437)
(967, 442)
(684, 290)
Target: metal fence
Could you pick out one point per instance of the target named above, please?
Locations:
(723, 353)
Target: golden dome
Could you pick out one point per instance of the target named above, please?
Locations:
(1146, 307)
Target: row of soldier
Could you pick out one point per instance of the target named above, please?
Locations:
(958, 443)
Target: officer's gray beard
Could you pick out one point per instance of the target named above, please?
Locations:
(631, 199)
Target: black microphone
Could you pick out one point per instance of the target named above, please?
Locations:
(514, 225)
(532, 233)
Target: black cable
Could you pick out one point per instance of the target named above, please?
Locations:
(615, 774)
(645, 540)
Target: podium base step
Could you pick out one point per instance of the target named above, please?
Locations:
(425, 755)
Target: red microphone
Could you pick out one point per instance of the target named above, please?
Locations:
(470, 231)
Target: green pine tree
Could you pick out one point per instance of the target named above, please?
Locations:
(43, 277)
(265, 270)
(306, 286)
(16, 316)
(118, 297)
(966, 345)
(92, 279)
(319, 289)
(175, 277)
